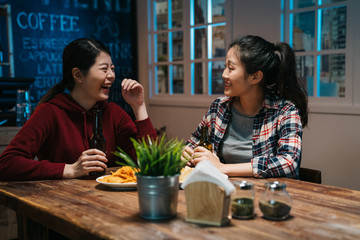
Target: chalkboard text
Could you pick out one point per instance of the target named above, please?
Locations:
(44, 21)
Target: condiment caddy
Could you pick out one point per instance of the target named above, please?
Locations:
(209, 197)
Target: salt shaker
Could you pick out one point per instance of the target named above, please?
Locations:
(242, 204)
(275, 202)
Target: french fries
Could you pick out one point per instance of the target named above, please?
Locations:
(126, 174)
(123, 175)
(184, 173)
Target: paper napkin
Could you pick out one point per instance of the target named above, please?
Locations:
(207, 172)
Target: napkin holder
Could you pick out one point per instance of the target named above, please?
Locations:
(207, 203)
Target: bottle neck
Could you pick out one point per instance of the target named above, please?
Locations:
(204, 133)
(97, 128)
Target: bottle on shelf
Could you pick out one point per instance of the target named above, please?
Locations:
(23, 107)
(204, 139)
(1, 58)
(97, 139)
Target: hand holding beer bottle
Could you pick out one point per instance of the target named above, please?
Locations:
(97, 139)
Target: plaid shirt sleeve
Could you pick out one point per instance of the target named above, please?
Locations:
(277, 144)
(194, 139)
(216, 118)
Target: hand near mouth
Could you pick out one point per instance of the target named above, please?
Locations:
(133, 93)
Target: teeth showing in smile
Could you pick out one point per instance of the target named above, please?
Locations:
(106, 86)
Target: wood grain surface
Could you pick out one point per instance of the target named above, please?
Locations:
(84, 209)
(207, 203)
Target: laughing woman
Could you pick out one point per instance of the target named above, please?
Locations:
(256, 128)
(58, 132)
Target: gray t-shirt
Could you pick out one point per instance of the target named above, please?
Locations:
(237, 142)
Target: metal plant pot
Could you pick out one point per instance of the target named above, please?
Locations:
(158, 196)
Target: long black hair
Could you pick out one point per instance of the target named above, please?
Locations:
(278, 65)
(80, 53)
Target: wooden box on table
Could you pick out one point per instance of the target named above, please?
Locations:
(207, 203)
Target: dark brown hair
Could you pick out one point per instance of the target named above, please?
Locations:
(80, 53)
(278, 65)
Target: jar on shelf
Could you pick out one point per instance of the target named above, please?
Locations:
(242, 204)
(275, 202)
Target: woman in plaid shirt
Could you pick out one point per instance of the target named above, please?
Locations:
(256, 128)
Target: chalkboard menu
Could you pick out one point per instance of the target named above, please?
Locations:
(42, 28)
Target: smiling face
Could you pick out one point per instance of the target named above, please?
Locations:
(237, 81)
(95, 85)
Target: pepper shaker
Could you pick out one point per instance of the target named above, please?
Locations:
(242, 204)
(275, 202)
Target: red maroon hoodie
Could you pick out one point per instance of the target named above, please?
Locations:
(59, 131)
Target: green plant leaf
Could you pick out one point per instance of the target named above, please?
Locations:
(159, 157)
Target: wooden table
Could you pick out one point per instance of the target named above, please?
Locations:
(83, 209)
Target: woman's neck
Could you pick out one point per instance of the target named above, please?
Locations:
(249, 105)
(81, 100)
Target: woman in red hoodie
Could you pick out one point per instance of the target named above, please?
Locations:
(58, 131)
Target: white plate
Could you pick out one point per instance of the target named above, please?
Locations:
(125, 186)
(117, 186)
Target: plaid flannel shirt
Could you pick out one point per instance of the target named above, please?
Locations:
(277, 135)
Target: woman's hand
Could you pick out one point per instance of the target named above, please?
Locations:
(186, 156)
(201, 154)
(133, 93)
(89, 161)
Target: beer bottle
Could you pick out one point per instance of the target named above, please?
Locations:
(97, 139)
(1, 53)
(1, 59)
(204, 139)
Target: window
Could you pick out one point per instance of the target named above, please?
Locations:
(317, 31)
(6, 44)
(187, 47)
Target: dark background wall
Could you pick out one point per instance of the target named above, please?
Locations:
(42, 28)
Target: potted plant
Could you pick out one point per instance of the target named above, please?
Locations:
(157, 170)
